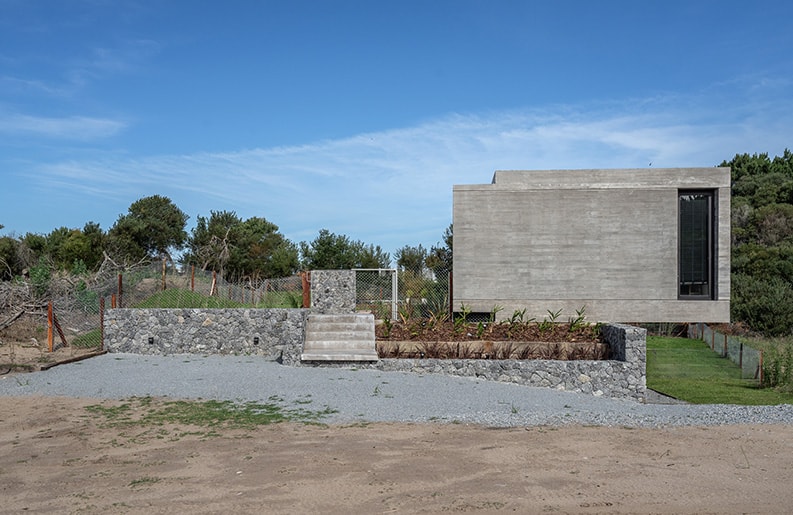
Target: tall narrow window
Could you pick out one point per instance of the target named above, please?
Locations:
(697, 244)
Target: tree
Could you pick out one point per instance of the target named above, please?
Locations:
(10, 263)
(152, 227)
(762, 241)
(440, 257)
(260, 250)
(329, 251)
(236, 248)
(209, 243)
(411, 258)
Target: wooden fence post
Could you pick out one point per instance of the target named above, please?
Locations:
(164, 268)
(120, 290)
(49, 326)
(305, 279)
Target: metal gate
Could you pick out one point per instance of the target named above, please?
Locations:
(377, 290)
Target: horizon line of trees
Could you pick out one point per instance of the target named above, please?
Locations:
(154, 227)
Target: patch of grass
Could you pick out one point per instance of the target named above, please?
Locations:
(88, 340)
(689, 370)
(181, 298)
(146, 412)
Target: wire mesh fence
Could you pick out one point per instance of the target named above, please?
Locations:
(393, 293)
(750, 360)
(165, 285)
(65, 317)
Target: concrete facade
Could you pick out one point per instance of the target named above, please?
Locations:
(606, 240)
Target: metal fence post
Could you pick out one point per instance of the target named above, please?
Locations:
(394, 295)
(101, 323)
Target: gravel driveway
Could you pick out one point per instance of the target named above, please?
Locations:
(359, 395)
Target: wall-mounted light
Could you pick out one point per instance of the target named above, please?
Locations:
(256, 340)
(151, 340)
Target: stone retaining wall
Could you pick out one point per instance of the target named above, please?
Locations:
(276, 333)
(624, 376)
(280, 334)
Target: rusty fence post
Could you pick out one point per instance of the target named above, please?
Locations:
(305, 280)
(49, 326)
(120, 290)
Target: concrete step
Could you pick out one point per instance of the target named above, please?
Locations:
(339, 338)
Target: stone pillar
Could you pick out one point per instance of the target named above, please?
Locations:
(333, 291)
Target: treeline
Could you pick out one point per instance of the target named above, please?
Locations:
(155, 228)
(762, 242)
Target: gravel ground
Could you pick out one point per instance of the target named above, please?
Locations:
(360, 395)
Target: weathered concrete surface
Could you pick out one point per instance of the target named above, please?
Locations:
(339, 338)
(565, 239)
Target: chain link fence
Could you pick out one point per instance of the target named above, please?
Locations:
(64, 314)
(165, 285)
(733, 347)
(391, 293)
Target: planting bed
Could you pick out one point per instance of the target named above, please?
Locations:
(492, 340)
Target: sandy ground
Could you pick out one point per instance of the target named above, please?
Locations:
(55, 456)
(27, 357)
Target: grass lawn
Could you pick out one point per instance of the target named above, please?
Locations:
(690, 371)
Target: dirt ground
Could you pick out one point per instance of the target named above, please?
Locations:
(28, 357)
(56, 456)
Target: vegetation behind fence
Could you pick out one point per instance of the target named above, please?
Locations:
(403, 294)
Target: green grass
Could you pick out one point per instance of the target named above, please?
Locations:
(92, 338)
(181, 298)
(689, 370)
(777, 361)
(146, 412)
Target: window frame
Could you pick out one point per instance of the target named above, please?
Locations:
(712, 249)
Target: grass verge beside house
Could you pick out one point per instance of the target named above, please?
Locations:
(689, 370)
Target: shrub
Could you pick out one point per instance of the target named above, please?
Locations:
(765, 304)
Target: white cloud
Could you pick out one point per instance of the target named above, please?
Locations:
(395, 187)
(80, 128)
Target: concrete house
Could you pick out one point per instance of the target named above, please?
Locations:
(629, 245)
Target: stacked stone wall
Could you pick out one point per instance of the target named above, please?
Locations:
(624, 376)
(333, 291)
(274, 333)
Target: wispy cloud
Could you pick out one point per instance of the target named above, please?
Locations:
(77, 128)
(395, 187)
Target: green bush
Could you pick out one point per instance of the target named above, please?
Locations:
(765, 304)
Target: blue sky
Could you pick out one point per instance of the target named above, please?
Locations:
(360, 116)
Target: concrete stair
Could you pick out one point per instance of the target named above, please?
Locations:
(339, 338)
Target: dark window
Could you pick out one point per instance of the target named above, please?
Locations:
(697, 244)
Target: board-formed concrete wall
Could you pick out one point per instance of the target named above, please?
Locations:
(606, 240)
